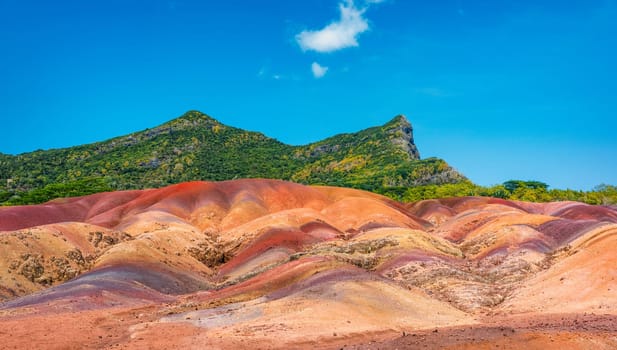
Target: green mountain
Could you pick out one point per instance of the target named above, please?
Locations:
(198, 147)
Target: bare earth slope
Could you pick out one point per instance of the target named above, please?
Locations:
(273, 264)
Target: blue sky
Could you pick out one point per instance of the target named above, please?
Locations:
(500, 89)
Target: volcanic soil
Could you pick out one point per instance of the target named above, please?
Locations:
(267, 264)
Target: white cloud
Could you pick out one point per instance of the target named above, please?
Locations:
(318, 70)
(339, 34)
(265, 73)
(262, 72)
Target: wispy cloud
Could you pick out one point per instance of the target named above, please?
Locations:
(264, 73)
(339, 34)
(318, 70)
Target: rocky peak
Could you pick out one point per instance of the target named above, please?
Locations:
(401, 135)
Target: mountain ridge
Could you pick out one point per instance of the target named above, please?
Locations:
(196, 146)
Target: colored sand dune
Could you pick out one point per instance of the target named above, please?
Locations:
(273, 264)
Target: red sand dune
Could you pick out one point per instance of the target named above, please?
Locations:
(272, 264)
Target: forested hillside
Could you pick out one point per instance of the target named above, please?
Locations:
(198, 147)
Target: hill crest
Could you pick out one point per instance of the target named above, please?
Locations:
(196, 146)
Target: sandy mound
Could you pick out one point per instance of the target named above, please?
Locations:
(273, 264)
